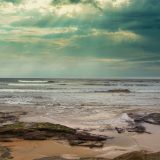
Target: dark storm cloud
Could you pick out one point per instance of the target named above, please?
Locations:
(139, 15)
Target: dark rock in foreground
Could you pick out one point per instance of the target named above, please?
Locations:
(152, 118)
(137, 129)
(43, 131)
(137, 124)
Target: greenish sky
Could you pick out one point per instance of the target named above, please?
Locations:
(80, 38)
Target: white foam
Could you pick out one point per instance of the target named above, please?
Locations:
(121, 121)
(34, 81)
(27, 84)
(24, 90)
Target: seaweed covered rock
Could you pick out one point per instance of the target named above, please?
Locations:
(43, 131)
(34, 131)
(37, 126)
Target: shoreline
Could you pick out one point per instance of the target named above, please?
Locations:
(135, 140)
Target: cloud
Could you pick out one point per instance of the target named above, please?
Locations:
(117, 36)
(12, 1)
(92, 35)
(34, 31)
(94, 3)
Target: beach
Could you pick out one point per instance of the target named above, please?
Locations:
(110, 118)
(39, 149)
(36, 147)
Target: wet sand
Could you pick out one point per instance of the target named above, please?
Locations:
(149, 143)
(119, 145)
(30, 150)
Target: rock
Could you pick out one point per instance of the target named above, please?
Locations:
(90, 144)
(50, 81)
(87, 140)
(119, 130)
(35, 130)
(138, 129)
(89, 137)
(152, 118)
(35, 135)
(119, 91)
(10, 116)
(134, 128)
(43, 131)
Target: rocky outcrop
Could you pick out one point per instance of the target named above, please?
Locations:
(10, 116)
(43, 131)
(137, 124)
(152, 118)
(137, 129)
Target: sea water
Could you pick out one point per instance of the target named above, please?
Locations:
(87, 103)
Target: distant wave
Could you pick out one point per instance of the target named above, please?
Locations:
(38, 91)
(23, 90)
(33, 81)
(28, 84)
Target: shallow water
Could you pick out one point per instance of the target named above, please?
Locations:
(75, 102)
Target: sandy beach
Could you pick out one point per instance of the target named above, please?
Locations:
(83, 119)
(117, 145)
(120, 145)
(30, 150)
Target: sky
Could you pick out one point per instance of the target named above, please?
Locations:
(80, 38)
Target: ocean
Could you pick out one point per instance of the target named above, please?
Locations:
(82, 103)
